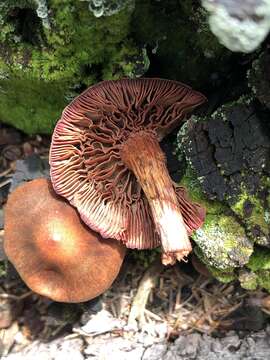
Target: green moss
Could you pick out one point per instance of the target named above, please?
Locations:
(260, 259)
(79, 41)
(258, 216)
(76, 42)
(264, 279)
(131, 62)
(221, 239)
(34, 106)
(222, 275)
(238, 207)
(259, 264)
(248, 280)
(40, 65)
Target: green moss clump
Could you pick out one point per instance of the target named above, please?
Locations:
(260, 260)
(248, 280)
(259, 267)
(33, 105)
(224, 276)
(264, 279)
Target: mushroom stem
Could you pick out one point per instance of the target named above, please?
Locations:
(142, 154)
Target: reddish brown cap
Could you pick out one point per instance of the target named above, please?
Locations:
(85, 157)
(53, 251)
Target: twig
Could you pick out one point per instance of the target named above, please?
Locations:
(5, 172)
(4, 183)
(146, 284)
(152, 315)
(16, 297)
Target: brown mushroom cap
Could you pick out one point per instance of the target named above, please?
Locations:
(87, 157)
(54, 252)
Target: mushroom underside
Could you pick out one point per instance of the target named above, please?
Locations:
(91, 163)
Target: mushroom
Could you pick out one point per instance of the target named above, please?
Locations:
(106, 160)
(55, 253)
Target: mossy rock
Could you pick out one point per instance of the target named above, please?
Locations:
(223, 244)
(230, 154)
(222, 241)
(228, 166)
(47, 58)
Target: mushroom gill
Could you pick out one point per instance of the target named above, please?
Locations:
(106, 160)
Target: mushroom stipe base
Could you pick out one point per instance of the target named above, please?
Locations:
(142, 154)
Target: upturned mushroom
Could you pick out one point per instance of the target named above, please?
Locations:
(54, 252)
(106, 160)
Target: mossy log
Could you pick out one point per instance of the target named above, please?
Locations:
(228, 172)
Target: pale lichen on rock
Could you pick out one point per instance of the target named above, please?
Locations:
(239, 25)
